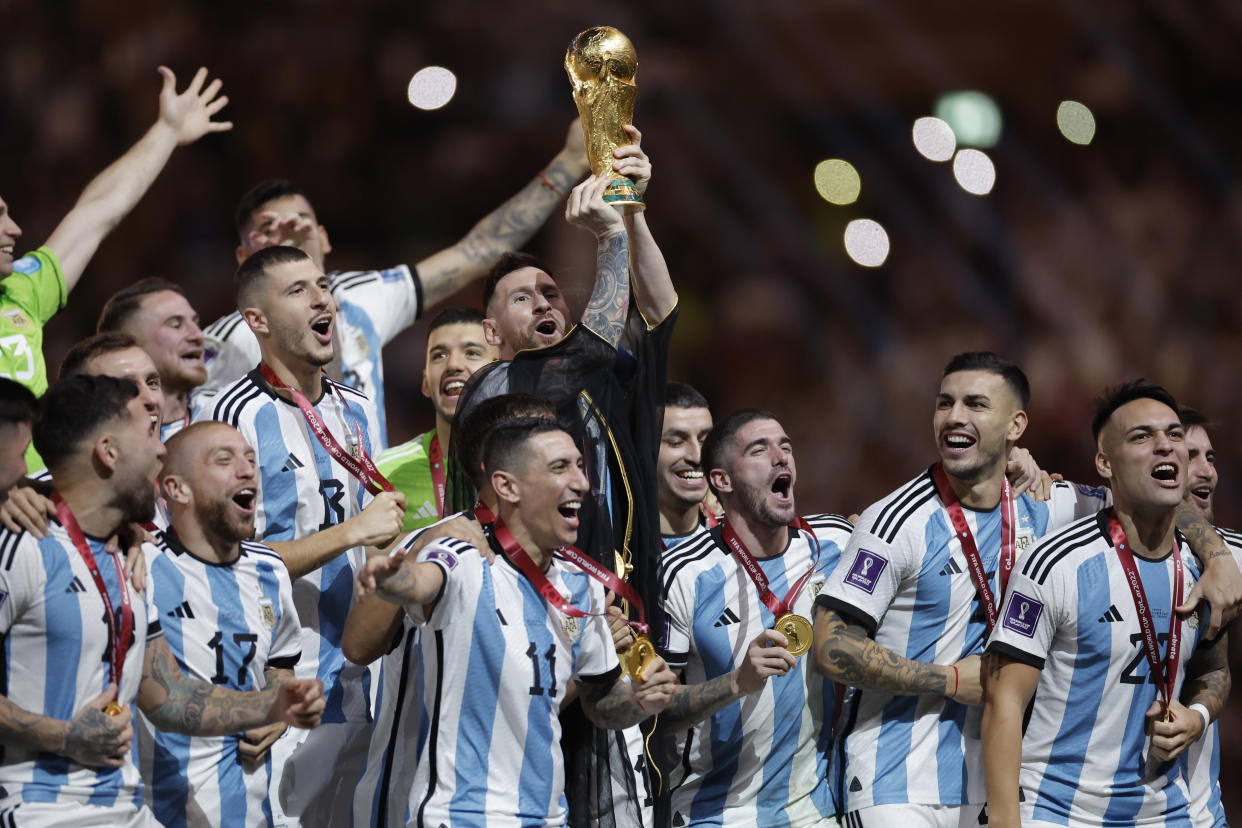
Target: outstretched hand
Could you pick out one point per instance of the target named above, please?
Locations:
(189, 114)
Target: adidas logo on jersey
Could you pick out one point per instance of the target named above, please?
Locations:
(76, 585)
(726, 618)
(1113, 615)
(951, 568)
(292, 463)
(182, 611)
(426, 511)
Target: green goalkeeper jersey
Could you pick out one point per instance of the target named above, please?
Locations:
(408, 468)
(28, 299)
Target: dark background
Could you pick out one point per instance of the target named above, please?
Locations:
(1087, 265)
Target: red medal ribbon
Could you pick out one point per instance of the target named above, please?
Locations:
(436, 457)
(1151, 646)
(362, 468)
(973, 560)
(536, 576)
(778, 607)
(120, 643)
(483, 514)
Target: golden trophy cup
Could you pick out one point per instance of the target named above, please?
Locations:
(601, 64)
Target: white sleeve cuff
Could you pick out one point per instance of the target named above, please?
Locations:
(1207, 717)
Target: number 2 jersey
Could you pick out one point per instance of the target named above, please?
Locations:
(905, 578)
(227, 624)
(1069, 612)
(56, 649)
(763, 759)
(495, 661)
(302, 490)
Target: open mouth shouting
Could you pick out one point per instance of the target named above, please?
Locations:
(451, 388)
(782, 487)
(1167, 475)
(569, 512)
(244, 499)
(321, 327)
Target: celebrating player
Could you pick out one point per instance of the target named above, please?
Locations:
(902, 621)
(17, 412)
(738, 597)
(1090, 623)
(679, 470)
(35, 286)
(376, 305)
(313, 441)
(226, 609)
(158, 316)
(501, 642)
(65, 714)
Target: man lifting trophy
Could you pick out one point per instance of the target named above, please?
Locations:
(601, 64)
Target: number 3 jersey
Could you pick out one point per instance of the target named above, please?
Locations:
(495, 661)
(227, 624)
(763, 759)
(56, 648)
(302, 490)
(1069, 612)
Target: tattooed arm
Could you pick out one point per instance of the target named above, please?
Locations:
(91, 738)
(175, 702)
(1221, 584)
(507, 228)
(653, 286)
(1010, 685)
(623, 704)
(1207, 683)
(765, 657)
(845, 654)
(610, 300)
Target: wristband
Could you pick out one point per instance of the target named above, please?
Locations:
(954, 693)
(1202, 711)
(547, 182)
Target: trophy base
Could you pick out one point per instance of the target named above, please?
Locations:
(620, 193)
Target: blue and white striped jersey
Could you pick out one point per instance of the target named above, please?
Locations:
(227, 625)
(763, 759)
(496, 661)
(373, 306)
(1069, 612)
(1203, 757)
(56, 648)
(302, 490)
(905, 578)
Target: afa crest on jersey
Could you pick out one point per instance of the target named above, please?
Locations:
(571, 627)
(267, 612)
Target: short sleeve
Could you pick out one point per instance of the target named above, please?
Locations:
(678, 622)
(1070, 501)
(390, 297)
(230, 351)
(597, 657)
(1027, 621)
(462, 567)
(867, 579)
(286, 649)
(19, 576)
(37, 284)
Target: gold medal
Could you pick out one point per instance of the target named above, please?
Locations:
(637, 656)
(798, 631)
(112, 709)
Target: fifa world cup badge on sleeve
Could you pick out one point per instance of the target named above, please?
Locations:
(1023, 614)
(865, 573)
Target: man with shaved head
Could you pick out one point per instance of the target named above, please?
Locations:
(226, 605)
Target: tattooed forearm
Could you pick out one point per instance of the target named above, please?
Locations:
(694, 703)
(1208, 680)
(845, 654)
(1203, 539)
(610, 707)
(175, 702)
(610, 300)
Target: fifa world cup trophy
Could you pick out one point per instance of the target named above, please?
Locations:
(601, 64)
